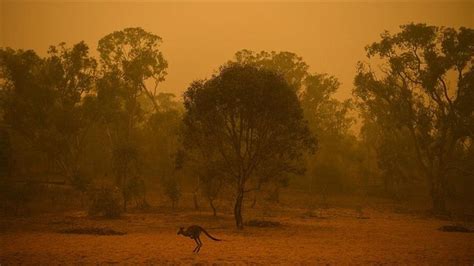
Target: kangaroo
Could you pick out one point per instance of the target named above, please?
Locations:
(193, 232)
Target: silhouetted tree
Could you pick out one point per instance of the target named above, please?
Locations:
(424, 88)
(328, 117)
(159, 140)
(333, 165)
(171, 189)
(211, 184)
(133, 66)
(248, 117)
(45, 102)
(133, 54)
(288, 64)
(396, 164)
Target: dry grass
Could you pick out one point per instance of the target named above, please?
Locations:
(386, 238)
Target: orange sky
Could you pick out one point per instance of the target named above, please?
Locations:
(200, 36)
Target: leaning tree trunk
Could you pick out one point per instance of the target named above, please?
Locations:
(238, 208)
(214, 210)
(254, 201)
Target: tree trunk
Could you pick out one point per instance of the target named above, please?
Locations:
(439, 204)
(83, 199)
(124, 204)
(276, 194)
(214, 211)
(254, 201)
(324, 197)
(195, 200)
(238, 209)
(438, 194)
(145, 202)
(195, 194)
(123, 183)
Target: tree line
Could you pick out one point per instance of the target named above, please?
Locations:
(262, 120)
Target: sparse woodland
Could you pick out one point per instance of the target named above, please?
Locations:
(96, 133)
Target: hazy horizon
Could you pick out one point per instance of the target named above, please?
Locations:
(198, 37)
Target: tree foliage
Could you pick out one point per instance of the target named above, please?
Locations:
(131, 60)
(252, 117)
(44, 100)
(423, 89)
(329, 118)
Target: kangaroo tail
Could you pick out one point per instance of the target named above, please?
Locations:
(208, 235)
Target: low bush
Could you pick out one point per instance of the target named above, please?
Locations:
(455, 228)
(105, 201)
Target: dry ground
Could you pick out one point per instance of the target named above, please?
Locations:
(337, 238)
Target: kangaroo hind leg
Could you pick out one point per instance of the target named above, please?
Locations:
(199, 244)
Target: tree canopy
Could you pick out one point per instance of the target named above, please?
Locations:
(422, 91)
(249, 117)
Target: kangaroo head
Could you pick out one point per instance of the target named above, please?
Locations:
(181, 230)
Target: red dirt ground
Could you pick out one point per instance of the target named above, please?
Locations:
(338, 238)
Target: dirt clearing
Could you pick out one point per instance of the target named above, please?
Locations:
(341, 238)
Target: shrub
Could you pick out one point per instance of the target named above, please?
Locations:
(455, 228)
(15, 197)
(171, 190)
(135, 191)
(105, 201)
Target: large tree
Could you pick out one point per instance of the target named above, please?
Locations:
(248, 118)
(328, 117)
(132, 68)
(134, 56)
(45, 103)
(425, 88)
